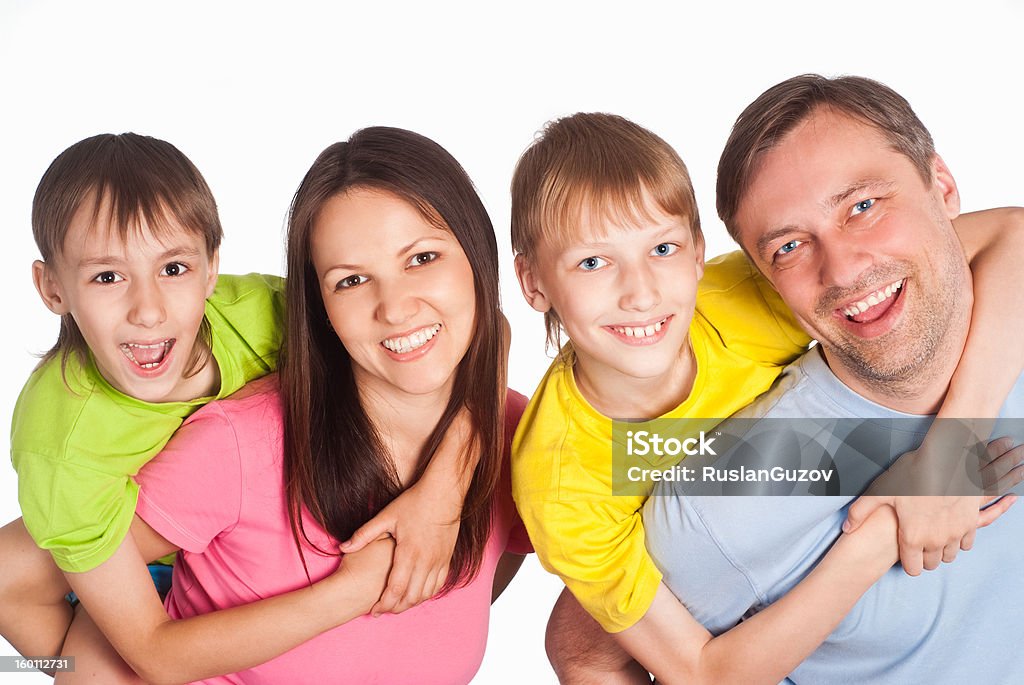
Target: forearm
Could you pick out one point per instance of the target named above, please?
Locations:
(451, 468)
(994, 245)
(122, 601)
(239, 638)
(671, 644)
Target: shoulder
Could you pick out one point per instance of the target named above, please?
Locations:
(256, 403)
(52, 403)
(233, 289)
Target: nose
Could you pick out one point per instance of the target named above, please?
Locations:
(147, 304)
(639, 288)
(844, 261)
(397, 303)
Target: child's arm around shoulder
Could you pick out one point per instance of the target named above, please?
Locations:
(934, 529)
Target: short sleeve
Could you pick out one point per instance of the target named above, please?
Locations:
(696, 569)
(597, 548)
(748, 313)
(191, 492)
(79, 514)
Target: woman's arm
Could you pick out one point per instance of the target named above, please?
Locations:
(933, 530)
(675, 648)
(121, 598)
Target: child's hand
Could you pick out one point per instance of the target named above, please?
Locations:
(365, 571)
(932, 529)
(424, 527)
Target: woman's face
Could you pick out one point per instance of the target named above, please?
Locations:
(399, 292)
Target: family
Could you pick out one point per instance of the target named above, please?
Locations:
(343, 482)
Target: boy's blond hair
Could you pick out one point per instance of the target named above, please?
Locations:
(597, 166)
(146, 180)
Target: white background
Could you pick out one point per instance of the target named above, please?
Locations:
(252, 92)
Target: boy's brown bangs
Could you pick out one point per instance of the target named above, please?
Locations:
(128, 209)
(570, 205)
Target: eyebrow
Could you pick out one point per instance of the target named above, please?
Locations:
(664, 230)
(401, 251)
(829, 205)
(104, 260)
(854, 188)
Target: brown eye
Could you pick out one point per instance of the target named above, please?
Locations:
(107, 277)
(422, 258)
(351, 282)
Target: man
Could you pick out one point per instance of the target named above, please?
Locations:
(834, 190)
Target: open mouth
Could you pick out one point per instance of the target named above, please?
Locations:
(874, 305)
(407, 343)
(148, 355)
(647, 331)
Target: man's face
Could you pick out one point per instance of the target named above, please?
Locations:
(860, 247)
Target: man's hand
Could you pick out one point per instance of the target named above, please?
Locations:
(425, 528)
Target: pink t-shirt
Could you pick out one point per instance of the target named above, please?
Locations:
(217, 492)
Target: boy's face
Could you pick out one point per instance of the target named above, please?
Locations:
(138, 302)
(625, 293)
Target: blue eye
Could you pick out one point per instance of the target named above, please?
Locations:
(422, 258)
(592, 263)
(351, 282)
(863, 206)
(664, 249)
(789, 247)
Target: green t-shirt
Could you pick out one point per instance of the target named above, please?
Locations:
(77, 446)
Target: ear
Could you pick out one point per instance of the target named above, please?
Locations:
(49, 288)
(943, 181)
(698, 251)
(531, 286)
(214, 271)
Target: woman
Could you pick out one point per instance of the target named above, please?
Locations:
(393, 330)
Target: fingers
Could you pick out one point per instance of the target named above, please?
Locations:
(949, 552)
(410, 584)
(967, 541)
(859, 512)
(912, 558)
(1001, 474)
(989, 515)
(381, 525)
(398, 583)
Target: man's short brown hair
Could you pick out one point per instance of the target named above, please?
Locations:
(594, 165)
(777, 111)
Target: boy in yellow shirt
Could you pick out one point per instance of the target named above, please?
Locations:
(609, 248)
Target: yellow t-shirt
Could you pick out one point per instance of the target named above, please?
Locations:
(742, 336)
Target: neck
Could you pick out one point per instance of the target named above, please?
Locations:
(619, 396)
(920, 390)
(404, 422)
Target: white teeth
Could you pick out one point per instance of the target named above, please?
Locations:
(873, 299)
(128, 350)
(639, 331)
(408, 343)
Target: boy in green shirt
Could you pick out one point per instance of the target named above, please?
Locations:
(129, 234)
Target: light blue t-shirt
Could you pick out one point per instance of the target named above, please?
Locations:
(726, 558)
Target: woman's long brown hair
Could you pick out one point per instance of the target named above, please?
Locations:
(334, 460)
